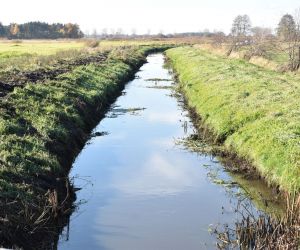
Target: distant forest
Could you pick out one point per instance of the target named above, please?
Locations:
(40, 30)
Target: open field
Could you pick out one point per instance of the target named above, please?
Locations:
(32, 54)
(252, 109)
(24, 55)
(12, 48)
(18, 48)
(29, 55)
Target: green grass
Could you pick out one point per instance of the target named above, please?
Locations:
(32, 55)
(277, 56)
(254, 110)
(36, 47)
(26, 55)
(54, 113)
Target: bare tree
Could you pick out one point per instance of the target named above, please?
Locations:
(133, 32)
(240, 30)
(104, 32)
(219, 38)
(289, 32)
(295, 59)
(262, 39)
(95, 33)
(119, 33)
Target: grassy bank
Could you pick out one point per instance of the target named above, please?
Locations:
(42, 129)
(254, 111)
(274, 55)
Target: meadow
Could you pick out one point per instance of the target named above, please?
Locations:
(27, 55)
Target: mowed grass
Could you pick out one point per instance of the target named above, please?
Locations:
(255, 111)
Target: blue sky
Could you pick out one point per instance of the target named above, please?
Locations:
(142, 15)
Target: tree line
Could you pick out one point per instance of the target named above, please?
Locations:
(40, 30)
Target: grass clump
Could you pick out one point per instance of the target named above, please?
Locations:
(92, 43)
(254, 111)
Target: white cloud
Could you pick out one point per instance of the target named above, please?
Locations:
(159, 176)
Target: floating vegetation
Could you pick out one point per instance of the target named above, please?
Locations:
(98, 134)
(115, 112)
(159, 80)
(196, 143)
(160, 87)
(225, 183)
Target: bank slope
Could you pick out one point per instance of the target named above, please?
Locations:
(254, 111)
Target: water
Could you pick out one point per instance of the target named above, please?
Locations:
(140, 189)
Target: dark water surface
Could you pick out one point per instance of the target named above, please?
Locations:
(140, 189)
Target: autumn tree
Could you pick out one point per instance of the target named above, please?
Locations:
(14, 30)
(72, 31)
(40, 30)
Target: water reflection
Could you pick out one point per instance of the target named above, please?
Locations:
(163, 118)
(159, 176)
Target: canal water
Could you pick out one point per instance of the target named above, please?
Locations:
(140, 188)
